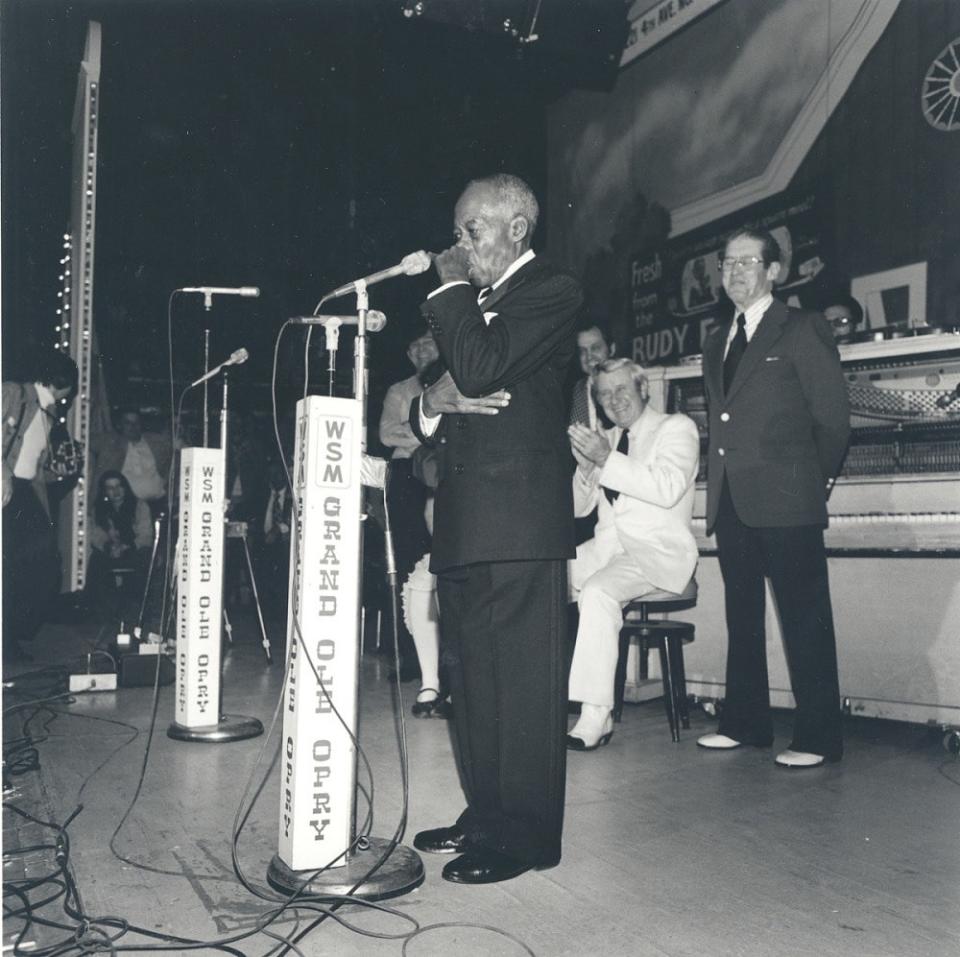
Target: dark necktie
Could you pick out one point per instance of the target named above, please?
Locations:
(622, 446)
(735, 353)
(580, 407)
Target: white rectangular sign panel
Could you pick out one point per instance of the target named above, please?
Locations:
(320, 707)
(653, 21)
(200, 587)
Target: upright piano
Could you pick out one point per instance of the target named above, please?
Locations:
(893, 542)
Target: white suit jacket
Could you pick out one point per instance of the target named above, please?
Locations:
(650, 520)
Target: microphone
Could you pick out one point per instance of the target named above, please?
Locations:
(949, 398)
(236, 358)
(251, 292)
(411, 265)
(376, 320)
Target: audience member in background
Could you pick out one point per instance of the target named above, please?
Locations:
(31, 563)
(406, 495)
(593, 347)
(844, 314)
(641, 475)
(275, 554)
(121, 531)
(421, 613)
(247, 492)
(143, 458)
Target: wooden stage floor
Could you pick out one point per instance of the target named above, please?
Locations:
(668, 849)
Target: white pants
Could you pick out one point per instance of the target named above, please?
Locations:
(420, 612)
(603, 578)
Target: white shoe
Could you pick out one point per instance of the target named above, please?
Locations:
(799, 759)
(593, 730)
(717, 742)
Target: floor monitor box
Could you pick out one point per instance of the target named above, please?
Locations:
(138, 671)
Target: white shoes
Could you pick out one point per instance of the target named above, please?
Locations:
(799, 759)
(786, 759)
(593, 730)
(717, 742)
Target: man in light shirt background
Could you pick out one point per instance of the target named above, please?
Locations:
(406, 495)
(143, 458)
(31, 566)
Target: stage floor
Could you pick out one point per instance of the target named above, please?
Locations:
(668, 849)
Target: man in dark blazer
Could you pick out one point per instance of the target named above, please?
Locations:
(779, 422)
(503, 529)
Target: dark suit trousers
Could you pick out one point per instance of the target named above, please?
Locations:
(795, 561)
(504, 626)
(31, 566)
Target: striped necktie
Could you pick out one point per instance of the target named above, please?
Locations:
(580, 406)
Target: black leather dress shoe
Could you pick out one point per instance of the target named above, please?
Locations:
(441, 840)
(483, 866)
(437, 708)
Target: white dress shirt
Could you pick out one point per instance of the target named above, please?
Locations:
(395, 431)
(752, 316)
(35, 438)
(140, 470)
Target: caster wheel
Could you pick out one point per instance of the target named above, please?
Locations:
(951, 741)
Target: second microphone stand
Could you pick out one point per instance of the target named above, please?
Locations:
(228, 727)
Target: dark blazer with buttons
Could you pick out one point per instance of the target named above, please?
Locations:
(504, 489)
(782, 431)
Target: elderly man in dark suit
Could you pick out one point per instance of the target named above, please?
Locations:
(779, 422)
(503, 529)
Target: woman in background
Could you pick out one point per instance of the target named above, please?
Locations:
(121, 531)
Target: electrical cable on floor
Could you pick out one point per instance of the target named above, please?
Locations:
(446, 925)
(90, 935)
(271, 916)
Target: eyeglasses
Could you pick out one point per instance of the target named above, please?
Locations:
(744, 262)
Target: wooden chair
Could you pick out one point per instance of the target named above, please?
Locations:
(669, 637)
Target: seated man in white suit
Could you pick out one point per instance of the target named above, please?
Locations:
(641, 474)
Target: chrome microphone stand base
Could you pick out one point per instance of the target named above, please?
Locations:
(401, 873)
(230, 727)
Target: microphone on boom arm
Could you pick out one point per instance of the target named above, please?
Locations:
(208, 292)
(236, 358)
(376, 320)
(412, 265)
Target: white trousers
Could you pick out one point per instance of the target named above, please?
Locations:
(422, 617)
(603, 578)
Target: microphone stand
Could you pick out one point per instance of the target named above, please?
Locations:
(375, 868)
(360, 362)
(206, 386)
(228, 727)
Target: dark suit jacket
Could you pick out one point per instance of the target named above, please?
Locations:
(504, 480)
(782, 430)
